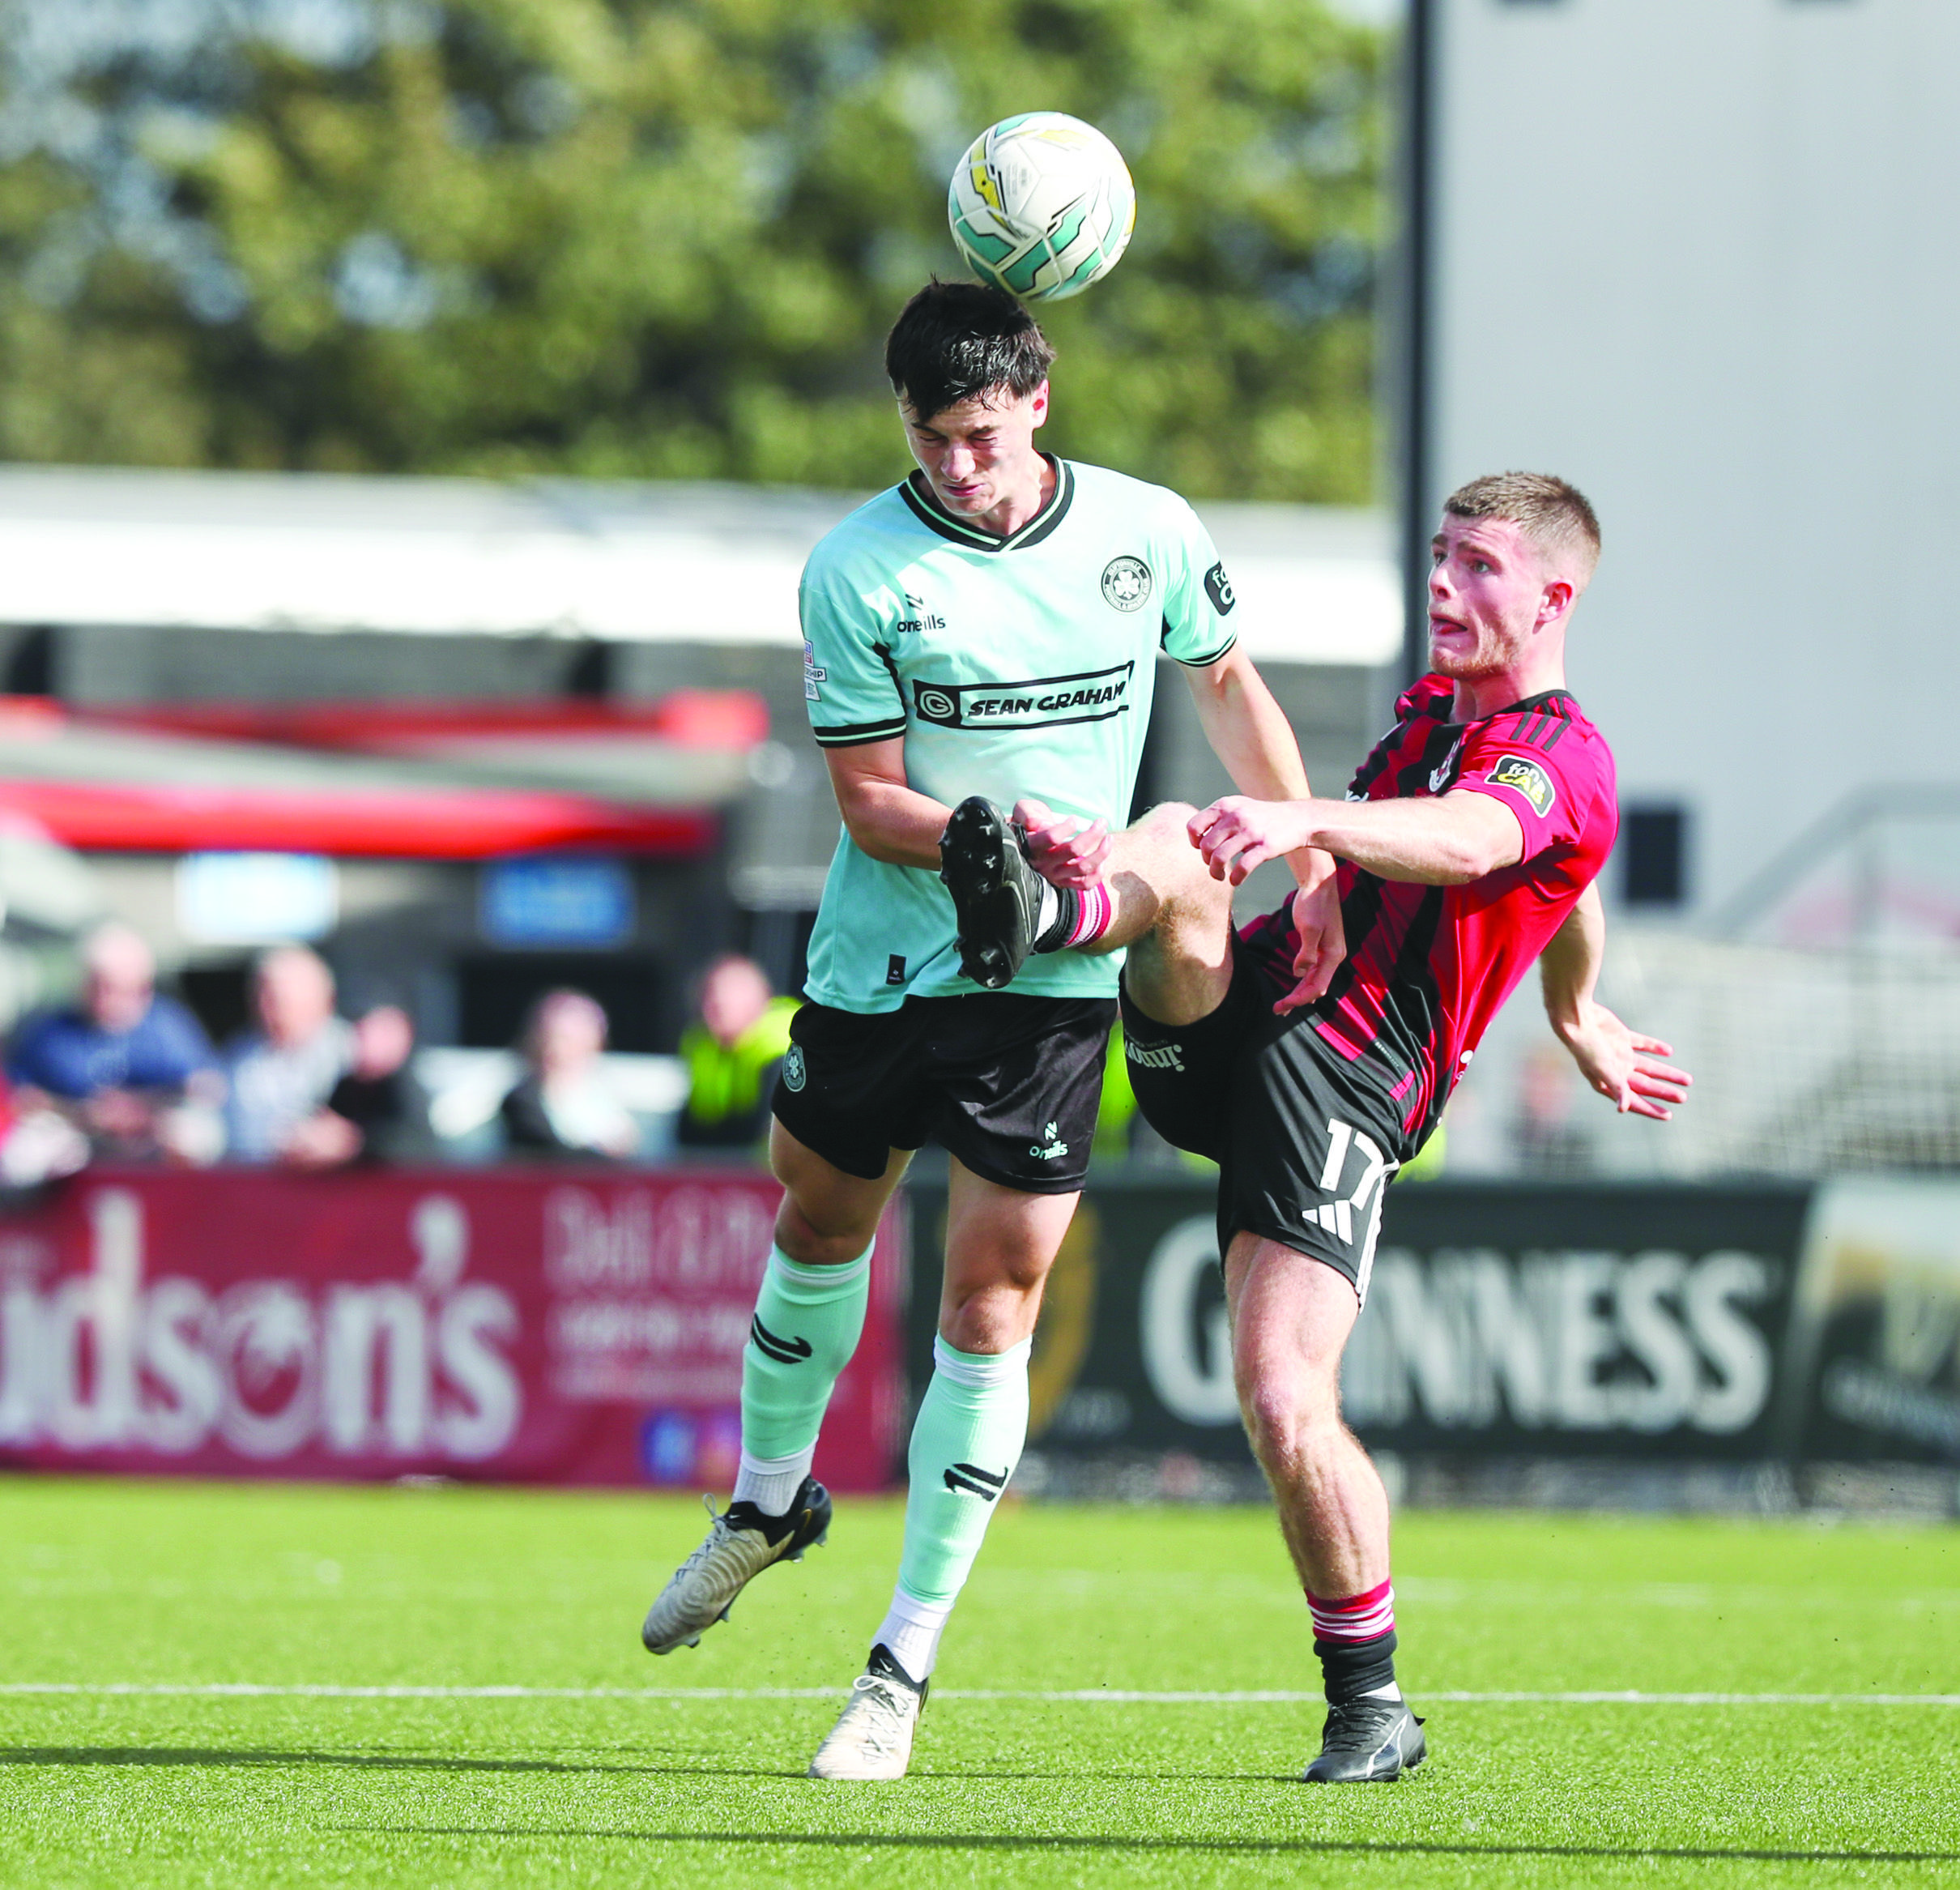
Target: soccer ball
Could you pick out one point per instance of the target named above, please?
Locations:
(1041, 205)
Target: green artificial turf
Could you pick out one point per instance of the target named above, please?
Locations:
(156, 1584)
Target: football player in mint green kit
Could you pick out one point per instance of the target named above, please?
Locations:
(983, 635)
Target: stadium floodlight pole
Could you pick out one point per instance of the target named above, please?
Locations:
(1418, 144)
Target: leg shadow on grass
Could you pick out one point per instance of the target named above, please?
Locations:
(220, 1759)
(1246, 1847)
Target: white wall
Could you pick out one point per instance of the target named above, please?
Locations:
(1702, 257)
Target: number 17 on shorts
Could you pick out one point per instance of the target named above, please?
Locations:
(1356, 1174)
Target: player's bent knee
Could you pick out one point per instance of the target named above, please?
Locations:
(828, 1218)
(1167, 815)
(835, 1243)
(1288, 1417)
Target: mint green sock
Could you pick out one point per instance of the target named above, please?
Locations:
(806, 1325)
(966, 1441)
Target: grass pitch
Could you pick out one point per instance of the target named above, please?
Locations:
(141, 1599)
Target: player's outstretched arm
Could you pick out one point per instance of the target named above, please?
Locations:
(1448, 841)
(888, 819)
(1620, 1063)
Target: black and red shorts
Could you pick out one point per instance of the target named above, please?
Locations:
(1008, 1085)
(1305, 1138)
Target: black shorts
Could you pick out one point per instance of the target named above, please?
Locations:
(1306, 1140)
(1008, 1085)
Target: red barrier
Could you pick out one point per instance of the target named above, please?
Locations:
(567, 1326)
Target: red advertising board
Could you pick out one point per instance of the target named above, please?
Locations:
(560, 1326)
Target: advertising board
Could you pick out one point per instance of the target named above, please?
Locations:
(1875, 1343)
(566, 1326)
(1526, 1321)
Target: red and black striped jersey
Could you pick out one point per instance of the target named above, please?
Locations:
(1428, 966)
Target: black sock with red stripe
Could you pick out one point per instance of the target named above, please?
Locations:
(1355, 1638)
(1080, 918)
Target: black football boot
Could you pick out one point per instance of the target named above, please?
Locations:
(996, 892)
(1367, 1740)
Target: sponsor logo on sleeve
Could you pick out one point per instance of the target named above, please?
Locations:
(1043, 701)
(1218, 587)
(1526, 778)
(1126, 583)
(813, 673)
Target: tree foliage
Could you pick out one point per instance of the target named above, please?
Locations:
(662, 237)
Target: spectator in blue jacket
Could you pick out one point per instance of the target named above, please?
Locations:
(130, 1068)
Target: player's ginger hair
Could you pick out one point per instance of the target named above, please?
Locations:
(1553, 513)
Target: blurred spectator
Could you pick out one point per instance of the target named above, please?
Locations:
(1550, 1141)
(380, 1096)
(281, 1074)
(562, 1107)
(732, 1052)
(41, 1146)
(131, 1070)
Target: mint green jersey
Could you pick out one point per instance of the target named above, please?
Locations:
(1014, 668)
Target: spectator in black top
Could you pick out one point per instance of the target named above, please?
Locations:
(379, 1095)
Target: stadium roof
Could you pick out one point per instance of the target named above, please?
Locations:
(715, 563)
(433, 784)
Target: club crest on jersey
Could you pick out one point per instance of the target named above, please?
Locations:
(1125, 583)
(1043, 701)
(1442, 775)
(1526, 778)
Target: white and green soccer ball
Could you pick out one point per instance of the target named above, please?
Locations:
(1041, 205)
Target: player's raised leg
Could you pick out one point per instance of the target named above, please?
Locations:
(998, 868)
(966, 1441)
(1291, 1317)
(809, 1316)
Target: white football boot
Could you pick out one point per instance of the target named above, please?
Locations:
(742, 1543)
(873, 1736)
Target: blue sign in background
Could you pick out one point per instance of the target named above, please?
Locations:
(556, 901)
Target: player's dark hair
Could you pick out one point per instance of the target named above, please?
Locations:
(954, 340)
(1552, 512)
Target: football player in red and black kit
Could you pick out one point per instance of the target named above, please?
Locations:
(1468, 847)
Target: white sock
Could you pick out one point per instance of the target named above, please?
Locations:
(1051, 908)
(911, 1631)
(1390, 1691)
(771, 1483)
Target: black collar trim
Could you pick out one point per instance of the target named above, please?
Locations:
(1560, 702)
(918, 492)
(1563, 698)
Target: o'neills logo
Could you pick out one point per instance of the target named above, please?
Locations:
(1045, 701)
